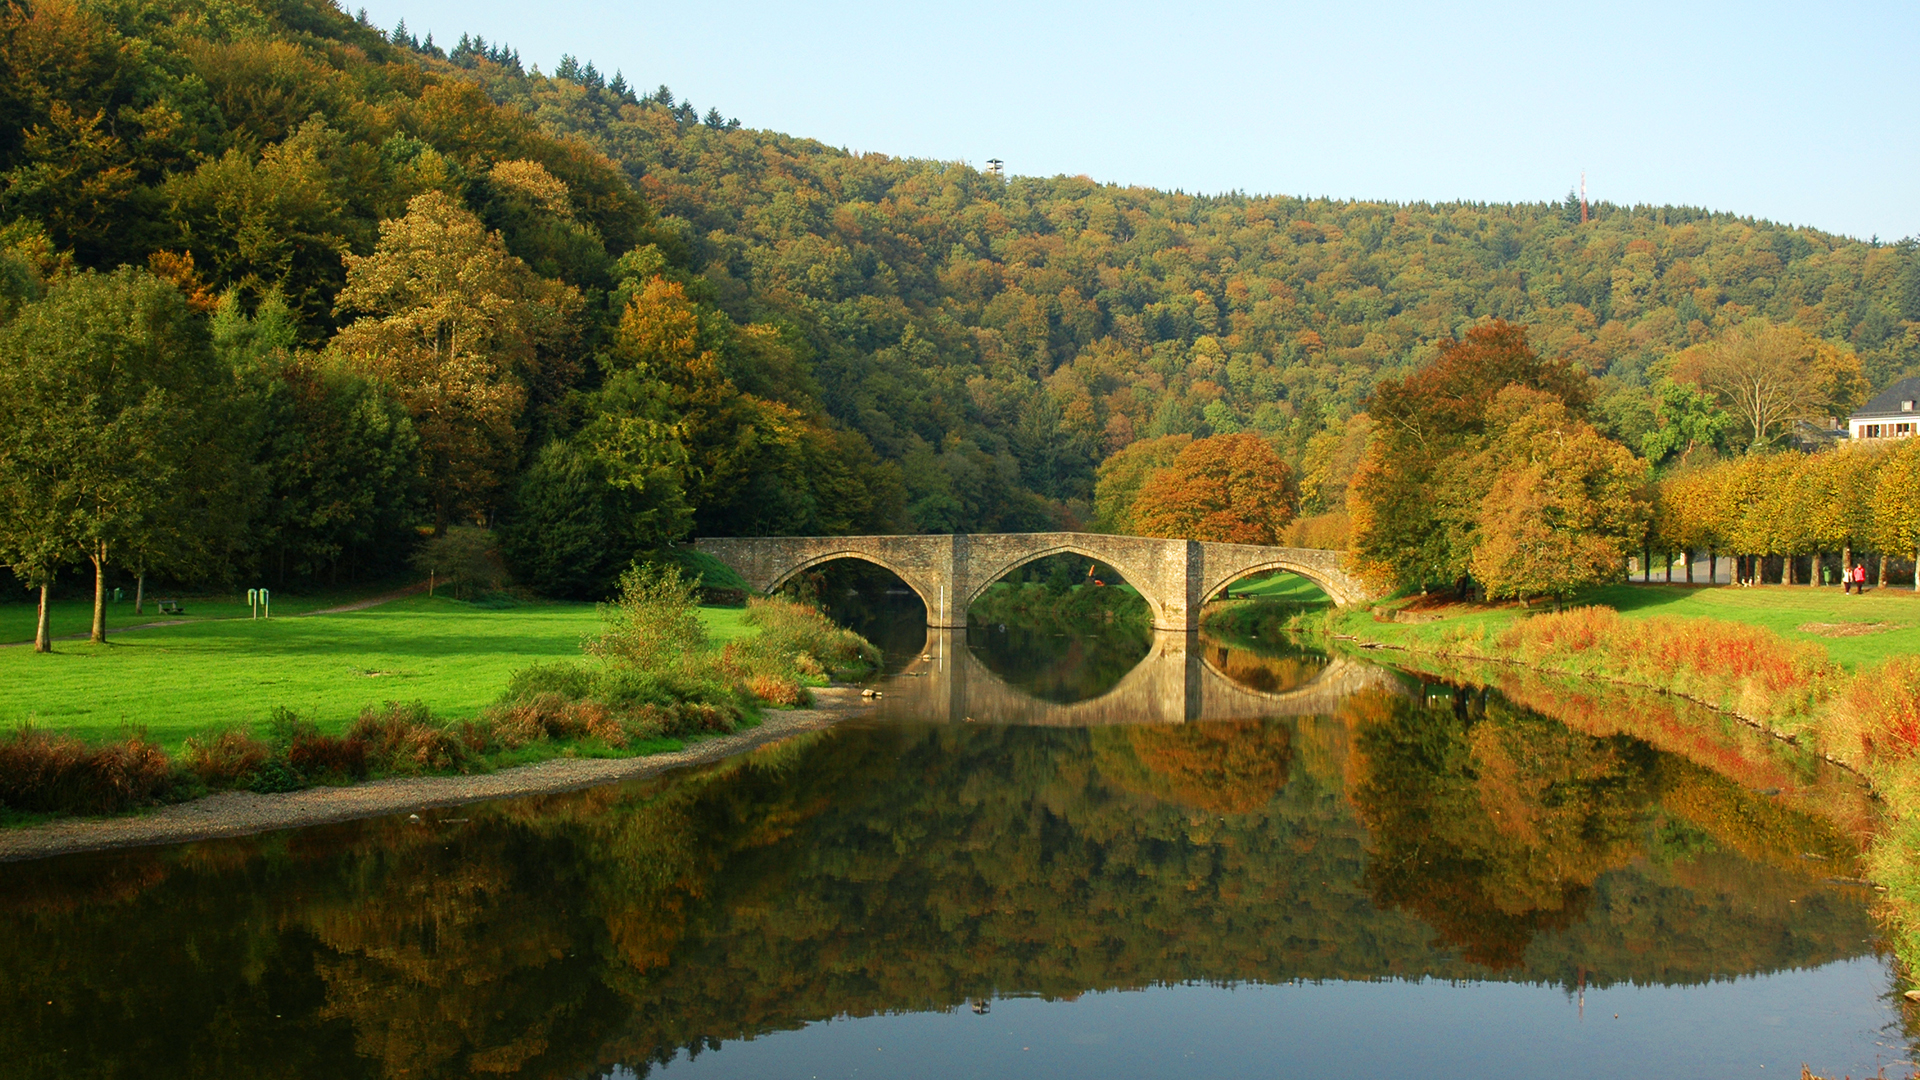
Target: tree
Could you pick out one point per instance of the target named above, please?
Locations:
(461, 330)
(1765, 375)
(1687, 421)
(1232, 489)
(1685, 517)
(1416, 498)
(580, 515)
(1567, 506)
(120, 416)
(1121, 476)
(1838, 500)
(1896, 504)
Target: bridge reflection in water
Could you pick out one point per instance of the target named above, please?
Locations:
(1183, 678)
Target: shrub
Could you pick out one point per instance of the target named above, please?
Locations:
(61, 774)
(777, 690)
(404, 738)
(226, 758)
(795, 641)
(318, 756)
(563, 679)
(1747, 668)
(1878, 717)
(654, 624)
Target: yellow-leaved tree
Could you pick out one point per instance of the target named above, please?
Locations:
(459, 328)
(1896, 505)
(1566, 506)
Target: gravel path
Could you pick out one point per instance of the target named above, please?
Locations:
(239, 813)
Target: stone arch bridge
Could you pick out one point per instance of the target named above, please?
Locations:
(1176, 577)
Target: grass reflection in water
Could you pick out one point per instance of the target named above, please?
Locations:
(889, 867)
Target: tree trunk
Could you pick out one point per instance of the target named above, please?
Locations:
(43, 629)
(1789, 564)
(1883, 571)
(1669, 567)
(140, 594)
(1646, 564)
(1688, 555)
(99, 595)
(1916, 568)
(1713, 567)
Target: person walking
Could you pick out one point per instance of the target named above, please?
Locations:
(1860, 579)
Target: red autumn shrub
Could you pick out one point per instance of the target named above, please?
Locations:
(61, 774)
(776, 689)
(312, 754)
(1879, 715)
(404, 738)
(226, 758)
(1748, 668)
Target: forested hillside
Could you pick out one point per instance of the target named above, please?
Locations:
(665, 324)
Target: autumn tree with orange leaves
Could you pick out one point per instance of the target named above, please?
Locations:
(1232, 489)
(1417, 497)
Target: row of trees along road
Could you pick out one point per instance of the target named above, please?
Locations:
(1486, 466)
(1793, 504)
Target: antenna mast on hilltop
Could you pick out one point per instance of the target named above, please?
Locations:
(1583, 196)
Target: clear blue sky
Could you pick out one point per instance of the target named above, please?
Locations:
(1806, 113)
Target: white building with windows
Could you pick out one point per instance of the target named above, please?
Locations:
(1894, 413)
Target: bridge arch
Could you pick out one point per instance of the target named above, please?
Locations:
(1292, 566)
(904, 574)
(1138, 578)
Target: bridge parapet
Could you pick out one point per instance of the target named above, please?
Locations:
(950, 571)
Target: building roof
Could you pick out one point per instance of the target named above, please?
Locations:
(1888, 402)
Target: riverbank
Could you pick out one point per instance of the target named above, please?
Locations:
(241, 813)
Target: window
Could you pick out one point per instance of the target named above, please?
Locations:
(1906, 406)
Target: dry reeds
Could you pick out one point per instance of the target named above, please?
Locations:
(1747, 669)
(42, 773)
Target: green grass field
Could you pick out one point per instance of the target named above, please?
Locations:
(73, 614)
(1857, 631)
(178, 680)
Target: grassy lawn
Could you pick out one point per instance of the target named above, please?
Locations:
(1857, 631)
(73, 612)
(179, 680)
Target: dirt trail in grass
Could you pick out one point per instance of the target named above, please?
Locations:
(372, 601)
(240, 813)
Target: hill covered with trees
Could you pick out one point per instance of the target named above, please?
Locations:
(452, 289)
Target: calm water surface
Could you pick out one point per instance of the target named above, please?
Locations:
(1097, 855)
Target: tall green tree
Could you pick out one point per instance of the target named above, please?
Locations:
(121, 420)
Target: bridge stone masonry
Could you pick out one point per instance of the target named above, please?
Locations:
(1176, 577)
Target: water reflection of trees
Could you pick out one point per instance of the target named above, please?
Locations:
(1493, 823)
(893, 868)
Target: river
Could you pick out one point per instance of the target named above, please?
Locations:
(1053, 852)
